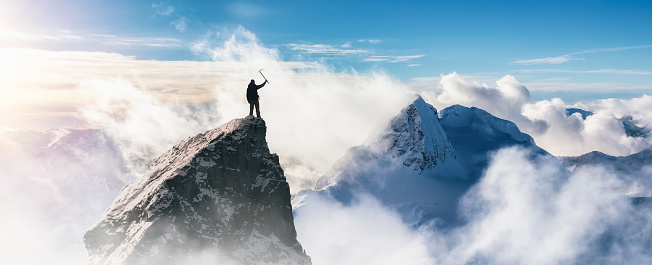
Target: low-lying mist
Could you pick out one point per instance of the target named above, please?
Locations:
(522, 211)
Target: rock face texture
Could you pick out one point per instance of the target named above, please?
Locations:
(217, 197)
(416, 134)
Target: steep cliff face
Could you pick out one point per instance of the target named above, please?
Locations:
(219, 196)
(416, 135)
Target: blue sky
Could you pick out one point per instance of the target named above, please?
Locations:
(576, 50)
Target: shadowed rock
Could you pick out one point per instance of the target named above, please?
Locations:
(219, 196)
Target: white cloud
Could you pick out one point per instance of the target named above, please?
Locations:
(599, 71)
(372, 41)
(161, 9)
(529, 211)
(504, 100)
(247, 10)
(37, 35)
(180, 24)
(391, 59)
(572, 135)
(54, 76)
(29, 38)
(325, 49)
(560, 85)
(569, 57)
(525, 209)
(142, 126)
(146, 42)
(546, 120)
(614, 49)
(364, 232)
(547, 60)
(639, 108)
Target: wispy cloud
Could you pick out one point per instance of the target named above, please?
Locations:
(414, 65)
(569, 57)
(599, 71)
(614, 49)
(372, 41)
(326, 49)
(392, 59)
(147, 42)
(63, 35)
(52, 34)
(55, 76)
(180, 24)
(547, 60)
(161, 9)
(247, 10)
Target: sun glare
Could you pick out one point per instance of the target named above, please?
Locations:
(20, 88)
(10, 14)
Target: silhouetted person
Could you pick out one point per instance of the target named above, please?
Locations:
(252, 97)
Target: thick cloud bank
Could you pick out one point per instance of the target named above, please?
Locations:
(523, 211)
(528, 211)
(361, 233)
(142, 126)
(547, 120)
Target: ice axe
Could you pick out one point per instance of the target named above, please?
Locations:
(261, 73)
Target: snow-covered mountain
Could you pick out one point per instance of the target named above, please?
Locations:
(475, 134)
(422, 162)
(634, 171)
(217, 197)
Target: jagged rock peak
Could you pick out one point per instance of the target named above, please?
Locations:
(217, 197)
(416, 134)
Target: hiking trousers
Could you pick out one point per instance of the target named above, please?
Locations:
(252, 104)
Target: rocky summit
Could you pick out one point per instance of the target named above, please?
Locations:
(218, 197)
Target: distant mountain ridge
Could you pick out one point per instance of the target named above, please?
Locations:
(219, 196)
(634, 170)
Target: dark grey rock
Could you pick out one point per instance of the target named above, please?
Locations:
(217, 197)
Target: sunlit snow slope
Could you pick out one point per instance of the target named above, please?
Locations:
(422, 162)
